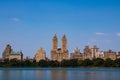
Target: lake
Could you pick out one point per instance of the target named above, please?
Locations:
(59, 74)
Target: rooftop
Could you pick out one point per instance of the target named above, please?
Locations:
(15, 53)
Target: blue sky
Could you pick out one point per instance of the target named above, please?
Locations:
(30, 24)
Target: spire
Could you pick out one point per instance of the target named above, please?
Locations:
(64, 37)
(55, 42)
(55, 36)
(64, 43)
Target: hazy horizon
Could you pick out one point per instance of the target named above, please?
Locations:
(30, 25)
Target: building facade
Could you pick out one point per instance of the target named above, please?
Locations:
(90, 53)
(16, 55)
(76, 55)
(40, 55)
(99, 54)
(118, 55)
(8, 53)
(94, 50)
(59, 54)
(110, 54)
(87, 53)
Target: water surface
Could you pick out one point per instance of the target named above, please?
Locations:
(59, 74)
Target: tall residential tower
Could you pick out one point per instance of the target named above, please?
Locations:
(59, 54)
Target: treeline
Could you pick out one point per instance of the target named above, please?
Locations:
(98, 62)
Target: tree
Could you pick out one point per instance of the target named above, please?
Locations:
(6, 61)
(108, 63)
(98, 62)
(53, 63)
(73, 62)
(43, 63)
(34, 63)
(87, 62)
(27, 63)
(65, 63)
(80, 62)
(15, 63)
(117, 63)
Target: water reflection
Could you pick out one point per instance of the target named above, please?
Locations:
(59, 75)
(41, 75)
(6, 73)
(10, 75)
(48, 74)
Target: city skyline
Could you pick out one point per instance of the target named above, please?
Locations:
(30, 25)
(60, 49)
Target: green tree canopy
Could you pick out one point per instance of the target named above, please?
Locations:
(98, 62)
(43, 63)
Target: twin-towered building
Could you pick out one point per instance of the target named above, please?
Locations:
(62, 53)
(57, 54)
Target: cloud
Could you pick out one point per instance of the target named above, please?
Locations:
(99, 33)
(118, 34)
(15, 19)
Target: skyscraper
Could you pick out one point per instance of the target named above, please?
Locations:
(59, 54)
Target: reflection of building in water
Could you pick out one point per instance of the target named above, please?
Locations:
(8, 74)
(91, 75)
(11, 75)
(59, 75)
(5, 74)
(40, 74)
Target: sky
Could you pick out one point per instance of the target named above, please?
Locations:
(28, 25)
